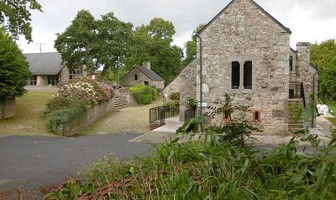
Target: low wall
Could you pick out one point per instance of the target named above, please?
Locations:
(8, 109)
(93, 114)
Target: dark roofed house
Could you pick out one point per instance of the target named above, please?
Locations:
(47, 69)
(142, 75)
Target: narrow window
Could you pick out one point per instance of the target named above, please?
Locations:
(248, 75)
(235, 74)
(291, 63)
(135, 77)
(257, 116)
(291, 93)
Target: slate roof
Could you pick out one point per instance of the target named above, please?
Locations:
(254, 3)
(44, 63)
(150, 74)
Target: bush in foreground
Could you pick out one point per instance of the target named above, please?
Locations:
(210, 170)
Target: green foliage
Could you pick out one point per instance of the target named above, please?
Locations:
(143, 94)
(94, 43)
(172, 105)
(191, 46)
(174, 96)
(14, 69)
(153, 43)
(17, 17)
(210, 170)
(324, 57)
(63, 113)
(191, 103)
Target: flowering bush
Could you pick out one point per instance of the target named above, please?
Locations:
(89, 90)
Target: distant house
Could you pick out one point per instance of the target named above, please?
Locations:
(47, 69)
(245, 52)
(143, 75)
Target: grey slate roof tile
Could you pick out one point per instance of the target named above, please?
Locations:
(44, 63)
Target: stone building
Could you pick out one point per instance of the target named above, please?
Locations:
(47, 69)
(245, 52)
(142, 75)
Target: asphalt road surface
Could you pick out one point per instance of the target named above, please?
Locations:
(31, 162)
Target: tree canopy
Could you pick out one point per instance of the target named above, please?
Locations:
(15, 16)
(324, 57)
(191, 46)
(94, 43)
(14, 69)
(153, 43)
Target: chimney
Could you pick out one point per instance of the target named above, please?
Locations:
(147, 65)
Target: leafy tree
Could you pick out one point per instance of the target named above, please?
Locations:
(16, 16)
(324, 57)
(111, 42)
(14, 69)
(191, 46)
(75, 43)
(94, 43)
(153, 43)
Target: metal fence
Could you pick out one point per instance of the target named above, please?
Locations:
(189, 114)
(158, 115)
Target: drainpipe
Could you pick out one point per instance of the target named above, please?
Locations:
(201, 81)
(315, 97)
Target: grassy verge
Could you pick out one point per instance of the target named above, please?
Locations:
(332, 110)
(29, 110)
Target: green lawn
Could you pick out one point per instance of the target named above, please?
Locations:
(332, 107)
(29, 110)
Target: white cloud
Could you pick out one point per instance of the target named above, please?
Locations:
(309, 20)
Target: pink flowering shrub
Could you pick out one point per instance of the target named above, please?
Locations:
(89, 90)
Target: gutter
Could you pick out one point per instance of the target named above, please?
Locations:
(201, 83)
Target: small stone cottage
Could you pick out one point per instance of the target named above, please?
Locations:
(47, 69)
(245, 52)
(142, 75)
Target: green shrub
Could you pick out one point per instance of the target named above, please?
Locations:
(172, 105)
(174, 96)
(143, 94)
(62, 120)
(191, 103)
(63, 113)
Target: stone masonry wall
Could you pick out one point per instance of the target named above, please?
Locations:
(174, 86)
(187, 85)
(243, 33)
(129, 80)
(8, 109)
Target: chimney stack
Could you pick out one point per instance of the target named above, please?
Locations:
(147, 65)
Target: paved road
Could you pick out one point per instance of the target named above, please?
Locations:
(32, 161)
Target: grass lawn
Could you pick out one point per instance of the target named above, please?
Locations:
(332, 107)
(29, 110)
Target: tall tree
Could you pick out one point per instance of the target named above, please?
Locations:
(153, 43)
(324, 57)
(14, 69)
(94, 43)
(15, 16)
(191, 46)
(111, 42)
(75, 43)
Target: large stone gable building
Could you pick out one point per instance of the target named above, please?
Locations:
(245, 52)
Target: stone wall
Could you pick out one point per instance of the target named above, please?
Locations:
(241, 33)
(8, 109)
(174, 86)
(93, 115)
(129, 79)
(187, 85)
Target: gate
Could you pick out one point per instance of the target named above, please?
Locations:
(156, 117)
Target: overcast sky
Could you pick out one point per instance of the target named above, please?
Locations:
(309, 20)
